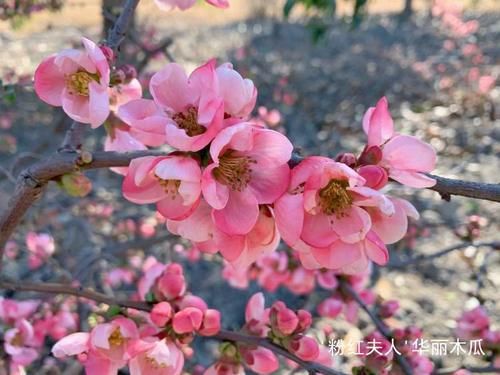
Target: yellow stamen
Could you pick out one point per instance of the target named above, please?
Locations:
(234, 170)
(188, 121)
(154, 363)
(78, 83)
(17, 340)
(334, 197)
(116, 338)
(171, 187)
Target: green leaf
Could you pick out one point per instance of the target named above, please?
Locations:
(150, 297)
(288, 7)
(113, 311)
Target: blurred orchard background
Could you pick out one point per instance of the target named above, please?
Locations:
(316, 74)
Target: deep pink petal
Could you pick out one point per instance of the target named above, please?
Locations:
(267, 183)
(289, 213)
(215, 193)
(239, 215)
(338, 255)
(380, 125)
(317, 231)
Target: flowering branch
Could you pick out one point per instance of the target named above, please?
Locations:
(425, 258)
(381, 327)
(223, 335)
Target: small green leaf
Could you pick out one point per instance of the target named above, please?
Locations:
(288, 7)
(113, 311)
(150, 297)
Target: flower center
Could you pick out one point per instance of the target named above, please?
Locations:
(234, 170)
(171, 187)
(116, 338)
(78, 83)
(17, 340)
(334, 197)
(188, 121)
(154, 363)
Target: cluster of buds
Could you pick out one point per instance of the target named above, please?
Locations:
(475, 325)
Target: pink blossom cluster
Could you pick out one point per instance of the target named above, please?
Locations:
(282, 325)
(475, 325)
(27, 326)
(154, 343)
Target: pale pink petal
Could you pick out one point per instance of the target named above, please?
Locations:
(170, 89)
(255, 308)
(198, 227)
(352, 225)
(375, 249)
(270, 148)
(216, 194)
(76, 107)
(400, 153)
(219, 3)
(338, 255)
(289, 213)
(267, 183)
(98, 104)
(176, 208)
(318, 231)
(380, 125)
(72, 344)
(49, 82)
(412, 179)
(239, 215)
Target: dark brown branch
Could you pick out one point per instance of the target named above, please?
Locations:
(478, 190)
(119, 30)
(56, 288)
(32, 182)
(425, 258)
(379, 324)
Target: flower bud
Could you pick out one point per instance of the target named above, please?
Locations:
(171, 284)
(188, 320)
(346, 158)
(305, 348)
(211, 323)
(371, 155)
(161, 313)
(376, 177)
(108, 53)
(305, 320)
(286, 321)
(330, 307)
(388, 308)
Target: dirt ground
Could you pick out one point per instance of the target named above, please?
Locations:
(330, 85)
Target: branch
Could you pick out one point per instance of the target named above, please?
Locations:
(32, 182)
(448, 187)
(381, 327)
(56, 288)
(425, 258)
(119, 30)
(74, 137)
(474, 370)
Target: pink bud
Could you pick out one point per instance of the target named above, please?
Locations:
(346, 158)
(187, 320)
(261, 360)
(171, 284)
(192, 301)
(305, 320)
(211, 323)
(330, 307)
(108, 53)
(305, 348)
(130, 71)
(161, 313)
(287, 321)
(388, 308)
(376, 177)
(370, 156)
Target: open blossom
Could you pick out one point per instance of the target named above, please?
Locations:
(12, 311)
(249, 168)
(156, 357)
(473, 324)
(239, 250)
(322, 216)
(172, 182)
(78, 81)
(41, 246)
(188, 112)
(167, 5)
(395, 152)
(18, 341)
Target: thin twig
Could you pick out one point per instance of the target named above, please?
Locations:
(73, 139)
(478, 190)
(425, 258)
(379, 324)
(119, 30)
(56, 288)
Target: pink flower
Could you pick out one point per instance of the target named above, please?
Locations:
(261, 360)
(284, 320)
(301, 281)
(239, 250)
(195, 112)
(211, 323)
(124, 92)
(161, 357)
(330, 307)
(395, 152)
(187, 320)
(322, 216)
(473, 324)
(41, 246)
(249, 168)
(111, 340)
(161, 313)
(171, 284)
(256, 315)
(17, 343)
(239, 94)
(11, 310)
(172, 182)
(78, 81)
(305, 348)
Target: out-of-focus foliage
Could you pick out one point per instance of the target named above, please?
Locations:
(321, 12)
(16, 11)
